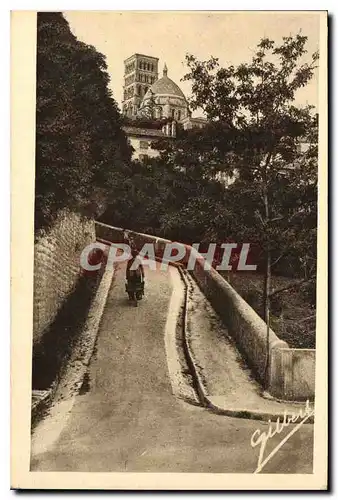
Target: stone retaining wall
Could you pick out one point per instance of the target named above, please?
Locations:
(57, 266)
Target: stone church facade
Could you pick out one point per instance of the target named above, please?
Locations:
(145, 96)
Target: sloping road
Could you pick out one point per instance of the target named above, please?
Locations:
(128, 418)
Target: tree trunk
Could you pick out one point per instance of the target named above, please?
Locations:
(266, 305)
(266, 291)
(267, 287)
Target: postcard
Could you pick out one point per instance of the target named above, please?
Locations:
(169, 243)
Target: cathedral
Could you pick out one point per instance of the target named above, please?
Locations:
(145, 95)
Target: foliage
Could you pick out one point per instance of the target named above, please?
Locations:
(79, 140)
(144, 122)
(256, 135)
(158, 198)
(275, 194)
(292, 317)
(148, 108)
(200, 152)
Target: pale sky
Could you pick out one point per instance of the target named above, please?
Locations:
(230, 36)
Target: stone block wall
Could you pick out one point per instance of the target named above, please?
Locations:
(57, 266)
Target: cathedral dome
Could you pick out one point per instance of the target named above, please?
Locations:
(166, 97)
(164, 86)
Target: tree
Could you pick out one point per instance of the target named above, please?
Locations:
(273, 200)
(81, 149)
(148, 109)
(200, 152)
(158, 198)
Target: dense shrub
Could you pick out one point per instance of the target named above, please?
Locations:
(80, 146)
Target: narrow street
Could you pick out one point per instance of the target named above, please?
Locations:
(127, 419)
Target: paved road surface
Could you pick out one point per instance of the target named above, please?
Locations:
(128, 419)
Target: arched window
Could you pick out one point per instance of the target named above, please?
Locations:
(173, 113)
(179, 114)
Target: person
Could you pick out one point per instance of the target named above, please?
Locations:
(137, 273)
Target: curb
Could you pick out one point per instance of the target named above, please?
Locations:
(197, 383)
(200, 387)
(71, 377)
(173, 339)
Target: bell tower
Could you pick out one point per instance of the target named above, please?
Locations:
(140, 72)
